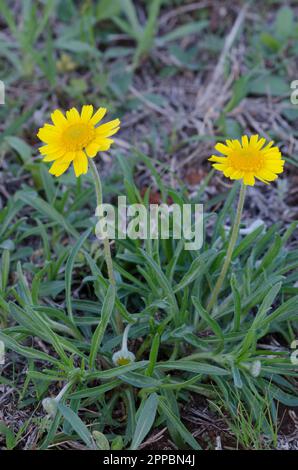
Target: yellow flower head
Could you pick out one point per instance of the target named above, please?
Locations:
(74, 137)
(249, 159)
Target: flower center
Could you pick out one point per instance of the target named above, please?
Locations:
(247, 160)
(122, 361)
(77, 136)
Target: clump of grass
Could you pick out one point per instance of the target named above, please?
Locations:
(249, 431)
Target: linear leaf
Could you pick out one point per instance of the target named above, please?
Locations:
(145, 419)
(106, 312)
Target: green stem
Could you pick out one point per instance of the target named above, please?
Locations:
(106, 242)
(230, 250)
(97, 182)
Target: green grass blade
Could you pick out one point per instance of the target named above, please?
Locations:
(106, 312)
(145, 419)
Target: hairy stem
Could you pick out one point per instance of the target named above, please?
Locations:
(230, 250)
(106, 242)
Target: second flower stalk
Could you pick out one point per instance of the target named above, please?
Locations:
(106, 241)
(231, 246)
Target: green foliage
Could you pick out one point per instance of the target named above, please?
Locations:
(161, 290)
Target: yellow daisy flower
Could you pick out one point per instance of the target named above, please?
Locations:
(249, 159)
(74, 138)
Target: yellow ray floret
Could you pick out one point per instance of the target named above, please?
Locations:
(249, 159)
(74, 137)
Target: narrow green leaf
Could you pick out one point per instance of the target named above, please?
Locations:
(9, 435)
(46, 209)
(95, 392)
(77, 424)
(69, 269)
(153, 354)
(213, 324)
(145, 419)
(237, 303)
(177, 424)
(106, 312)
(25, 351)
(192, 366)
(5, 265)
(184, 30)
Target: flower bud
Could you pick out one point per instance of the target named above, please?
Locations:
(255, 368)
(50, 406)
(122, 357)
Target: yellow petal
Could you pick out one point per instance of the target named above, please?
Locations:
(268, 146)
(261, 179)
(267, 175)
(254, 139)
(229, 143)
(104, 144)
(245, 141)
(236, 175)
(80, 163)
(46, 149)
(98, 116)
(274, 166)
(223, 149)
(54, 156)
(58, 118)
(48, 134)
(249, 179)
(73, 115)
(215, 158)
(260, 144)
(58, 168)
(236, 145)
(272, 153)
(228, 171)
(105, 129)
(92, 149)
(219, 166)
(86, 113)
(108, 133)
(68, 157)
